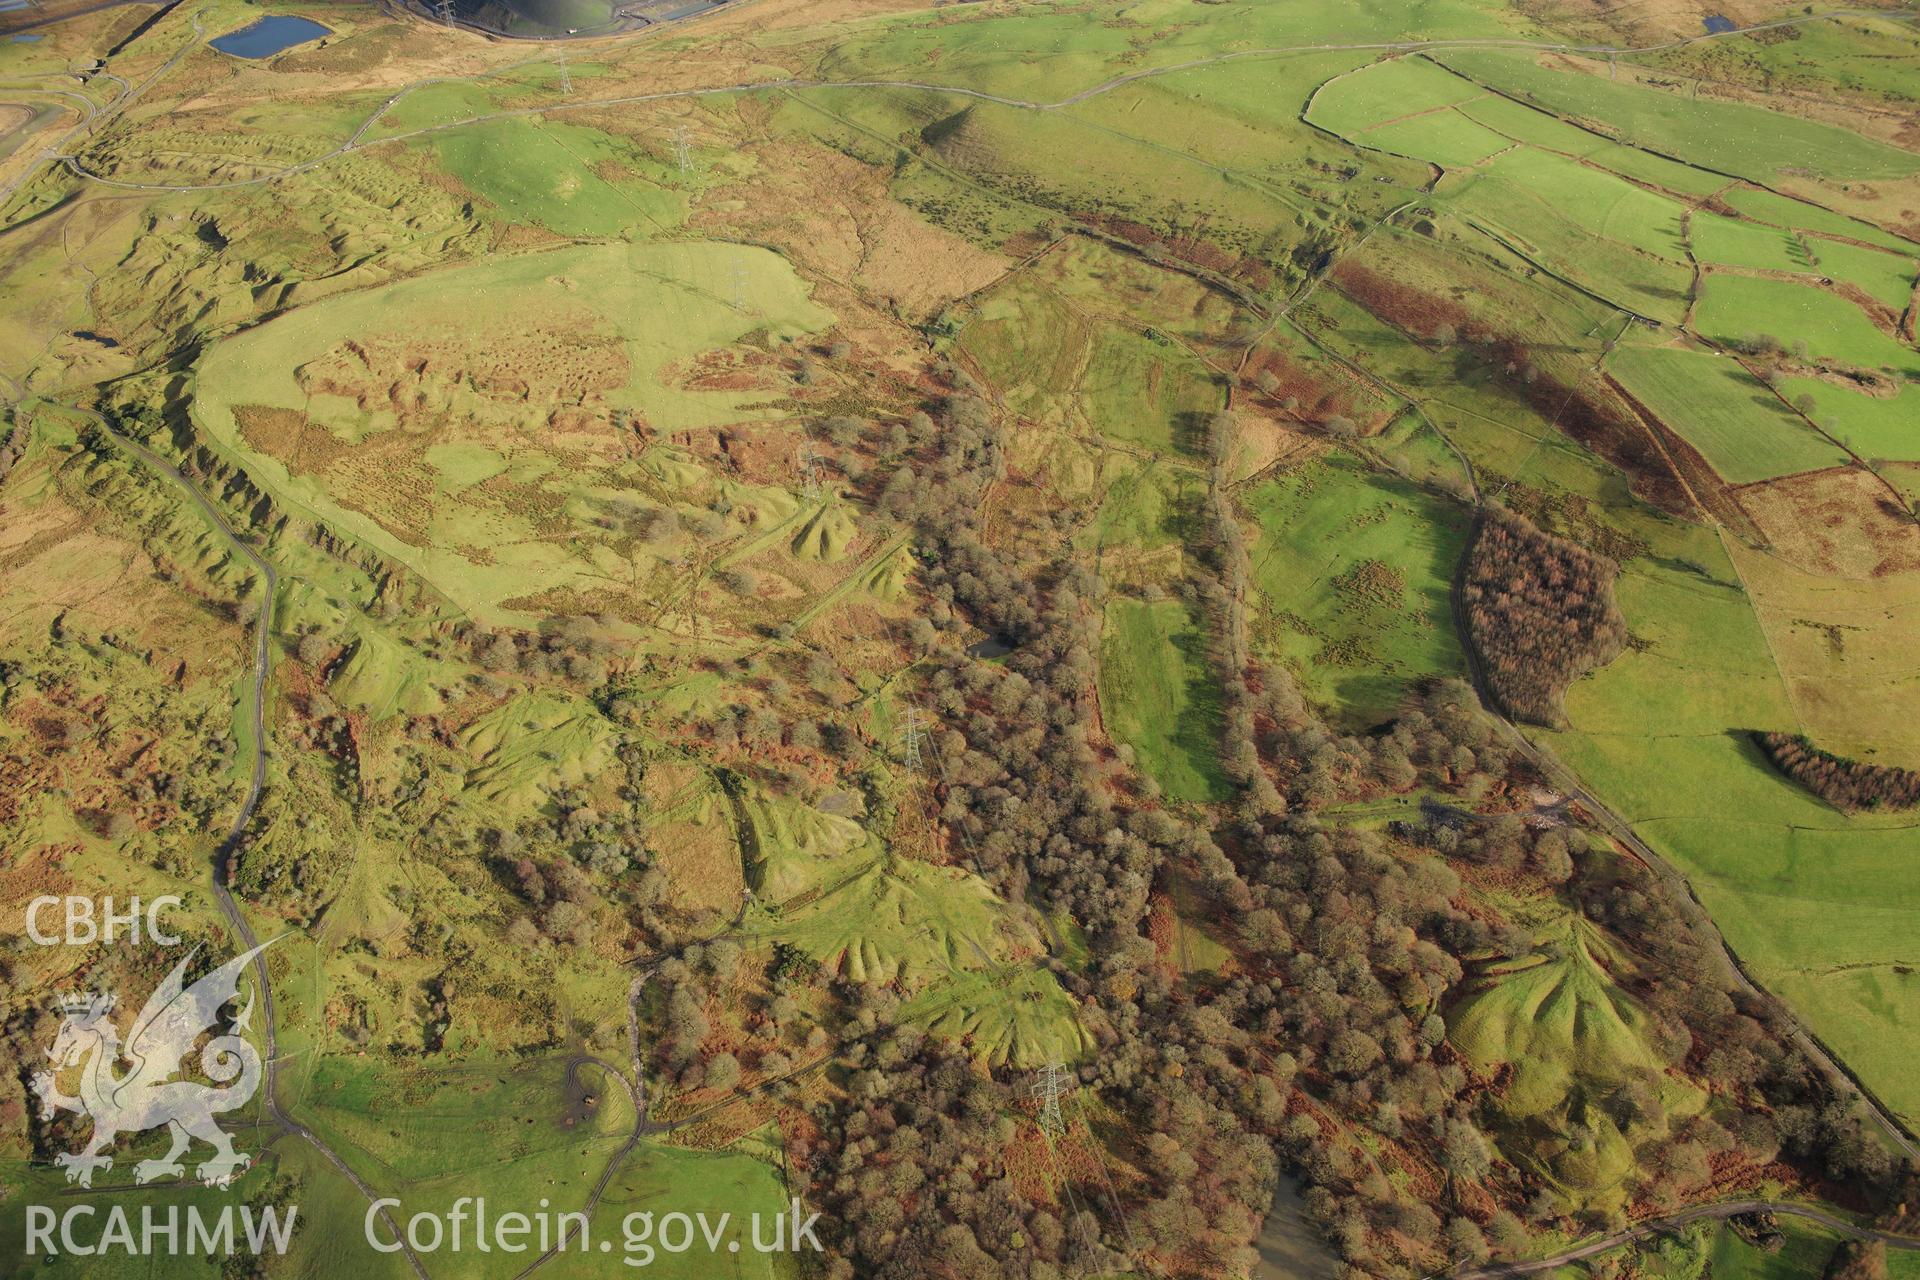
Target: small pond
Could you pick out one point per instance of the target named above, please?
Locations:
(993, 646)
(1717, 25)
(269, 36)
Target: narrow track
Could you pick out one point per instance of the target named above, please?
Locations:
(636, 1093)
(236, 836)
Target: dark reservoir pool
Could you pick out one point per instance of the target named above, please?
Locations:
(269, 36)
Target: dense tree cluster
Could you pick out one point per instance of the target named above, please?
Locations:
(13, 443)
(1346, 943)
(910, 1163)
(575, 648)
(1539, 613)
(559, 863)
(1717, 1027)
(561, 895)
(686, 982)
(1024, 792)
(1224, 594)
(1845, 784)
(1028, 798)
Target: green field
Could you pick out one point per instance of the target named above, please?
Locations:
(1159, 695)
(1619, 241)
(1446, 138)
(1150, 507)
(658, 1179)
(1060, 54)
(568, 179)
(1076, 159)
(1045, 339)
(1142, 392)
(482, 1122)
(1651, 167)
(1812, 901)
(1404, 106)
(1734, 308)
(1782, 211)
(1529, 190)
(327, 1212)
(1807, 1249)
(1874, 427)
(1740, 426)
(1746, 244)
(1717, 1249)
(1240, 116)
(1387, 91)
(1729, 137)
(1599, 203)
(1535, 128)
(1887, 278)
(1905, 479)
(1352, 571)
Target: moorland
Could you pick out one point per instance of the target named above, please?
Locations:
(1151, 638)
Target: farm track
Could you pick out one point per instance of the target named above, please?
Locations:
(357, 141)
(636, 1093)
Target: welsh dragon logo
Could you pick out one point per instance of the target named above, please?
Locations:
(148, 1094)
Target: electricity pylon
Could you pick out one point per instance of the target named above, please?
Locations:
(910, 733)
(809, 472)
(1053, 1082)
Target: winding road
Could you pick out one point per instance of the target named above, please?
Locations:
(126, 96)
(636, 1092)
(236, 836)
